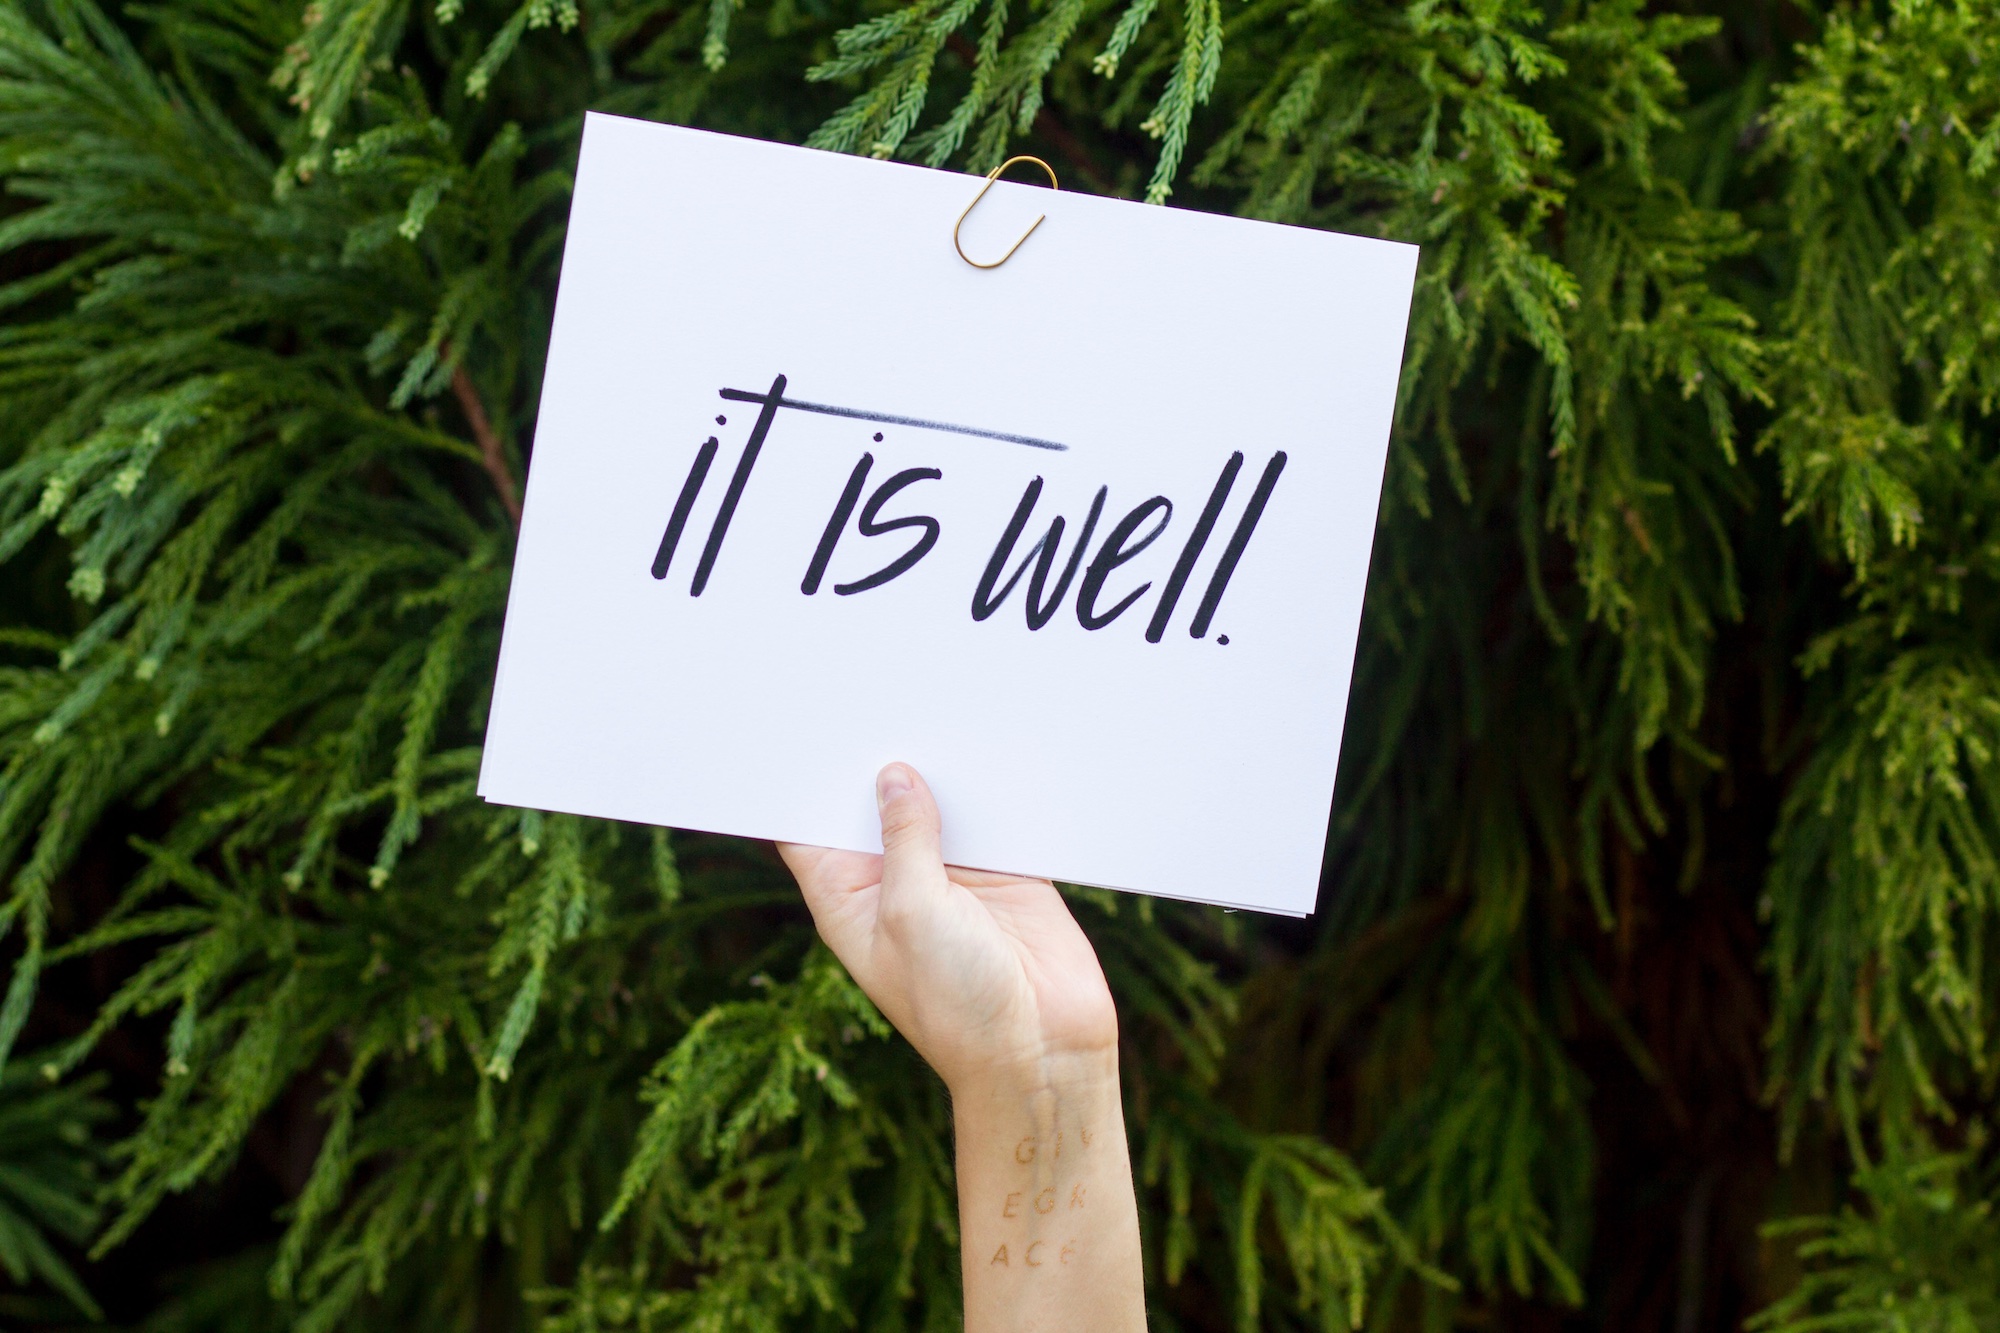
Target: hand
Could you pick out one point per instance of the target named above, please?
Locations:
(992, 982)
(986, 974)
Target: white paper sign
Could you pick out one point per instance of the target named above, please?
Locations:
(1083, 537)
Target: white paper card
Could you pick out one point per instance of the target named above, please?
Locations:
(699, 632)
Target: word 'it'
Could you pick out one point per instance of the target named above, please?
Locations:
(1089, 566)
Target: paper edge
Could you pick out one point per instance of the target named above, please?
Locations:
(1227, 904)
(1225, 219)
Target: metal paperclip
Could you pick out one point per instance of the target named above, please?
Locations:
(992, 176)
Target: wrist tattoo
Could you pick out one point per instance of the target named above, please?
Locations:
(1034, 1255)
(1029, 1146)
(1047, 1164)
(1044, 1203)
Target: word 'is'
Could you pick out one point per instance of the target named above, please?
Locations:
(1046, 591)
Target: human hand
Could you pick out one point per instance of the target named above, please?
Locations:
(992, 982)
(987, 975)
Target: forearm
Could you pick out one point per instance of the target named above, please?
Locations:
(1048, 1223)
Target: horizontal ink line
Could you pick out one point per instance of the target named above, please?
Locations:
(889, 418)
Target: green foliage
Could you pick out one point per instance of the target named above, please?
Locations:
(1924, 1257)
(1884, 885)
(48, 1179)
(1681, 659)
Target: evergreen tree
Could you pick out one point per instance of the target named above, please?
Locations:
(1650, 988)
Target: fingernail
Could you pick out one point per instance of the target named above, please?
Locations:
(890, 783)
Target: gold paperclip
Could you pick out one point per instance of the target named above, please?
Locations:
(992, 176)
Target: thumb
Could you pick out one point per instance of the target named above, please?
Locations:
(912, 860)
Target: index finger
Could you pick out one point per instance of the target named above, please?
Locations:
(823, 871)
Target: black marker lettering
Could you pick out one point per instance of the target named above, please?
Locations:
(1097, 562)
(1114, 553)
(837, 524)
(741, 478)
(697, 474)
(1039, 611)
(1191, 552)
(870, 528)
(1234, 551)
(984, 602)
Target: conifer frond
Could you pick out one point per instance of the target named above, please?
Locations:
(1923, 1254)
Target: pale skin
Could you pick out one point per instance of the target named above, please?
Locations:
(990, 979)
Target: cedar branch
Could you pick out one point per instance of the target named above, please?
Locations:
(489, 442)
(1047, 124)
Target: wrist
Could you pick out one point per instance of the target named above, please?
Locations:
(1048, 1228)
(1047, 1107)
(1089, 1074)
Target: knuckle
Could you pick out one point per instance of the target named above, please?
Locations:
(905, 822)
